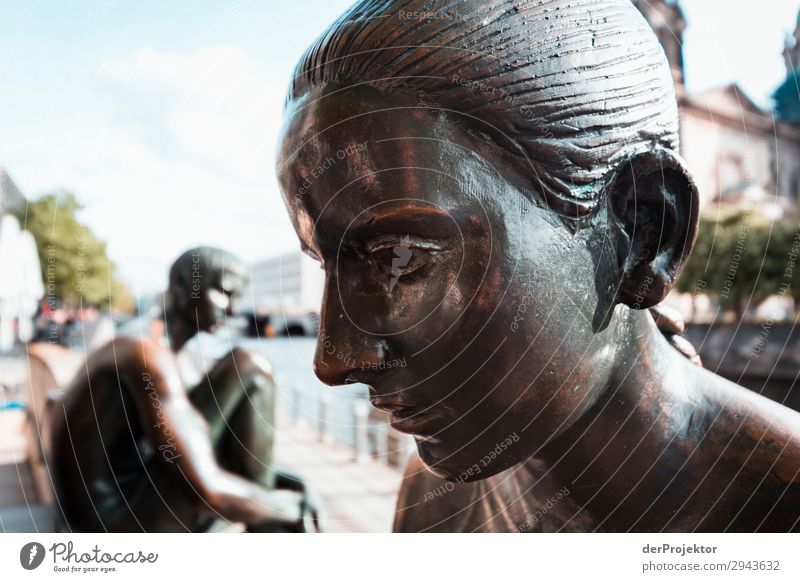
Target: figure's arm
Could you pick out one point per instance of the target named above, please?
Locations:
(249, 427)
(180, 433)
(250, 442)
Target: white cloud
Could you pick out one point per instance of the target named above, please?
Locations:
(215, 104)
(186, 157)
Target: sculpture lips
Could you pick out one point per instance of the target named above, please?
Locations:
(412, 419)
(417, 421)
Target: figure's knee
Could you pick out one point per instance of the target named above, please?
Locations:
(255, 372)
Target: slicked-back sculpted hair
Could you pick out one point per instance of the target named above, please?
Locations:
(571, 86)
(202, 264)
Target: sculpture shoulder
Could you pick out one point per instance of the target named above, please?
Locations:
(134, 363)
(753, 410)
(119, 369)
(243, 365)
(124, 351)
(251, 362)
(759, 430)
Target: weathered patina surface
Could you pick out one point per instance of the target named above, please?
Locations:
(137, 449)
(493, 191)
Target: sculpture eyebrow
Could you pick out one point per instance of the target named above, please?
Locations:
(399, 218)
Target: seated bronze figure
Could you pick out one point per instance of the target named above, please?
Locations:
(136, 448)
(494, 193)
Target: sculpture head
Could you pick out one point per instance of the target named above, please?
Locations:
(203, 283)
(493, 192)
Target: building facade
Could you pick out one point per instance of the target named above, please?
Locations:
(736, 150)
(290, 282)
(11, 199)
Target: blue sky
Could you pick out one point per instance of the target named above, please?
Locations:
(162, 116)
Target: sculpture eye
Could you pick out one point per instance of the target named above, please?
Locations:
(399, 257)
(219, 299)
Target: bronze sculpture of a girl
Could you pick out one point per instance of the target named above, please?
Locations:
(494, 193)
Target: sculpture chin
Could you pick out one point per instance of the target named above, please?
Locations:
(457, 467)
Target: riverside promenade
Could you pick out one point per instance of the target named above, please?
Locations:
(359, 495)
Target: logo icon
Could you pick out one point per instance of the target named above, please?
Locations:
(31, 555)
(402, 254)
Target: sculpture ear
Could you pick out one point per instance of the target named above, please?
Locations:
(654, 211)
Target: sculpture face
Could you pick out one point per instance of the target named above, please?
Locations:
(466, 307)
(215, 302)
(205, 293)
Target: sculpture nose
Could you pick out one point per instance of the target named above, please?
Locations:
(344, 354)
(343, 358)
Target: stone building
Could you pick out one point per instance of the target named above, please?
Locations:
(11, 199)
(292, 281)
(787, 103)
(737, 151)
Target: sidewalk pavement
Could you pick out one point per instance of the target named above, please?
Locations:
(358, 497)
(12, 376)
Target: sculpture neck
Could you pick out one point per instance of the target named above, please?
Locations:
(179, 330)
(644, 398)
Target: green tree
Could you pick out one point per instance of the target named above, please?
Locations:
(740, 259)
(75, 263)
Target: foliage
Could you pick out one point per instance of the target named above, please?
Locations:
(75, 264)
(787, 99)
(741, 258)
